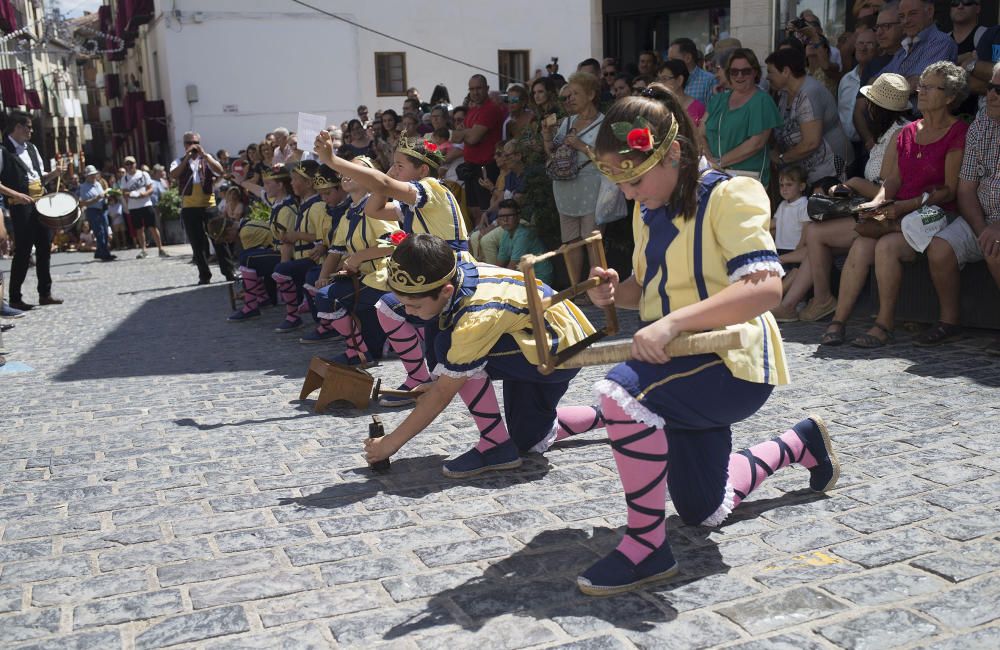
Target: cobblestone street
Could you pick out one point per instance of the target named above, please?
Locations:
(161, 485)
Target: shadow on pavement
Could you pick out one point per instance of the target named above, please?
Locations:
(187, 333)
(963, 358)
(413, 478)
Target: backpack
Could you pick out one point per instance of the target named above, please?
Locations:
(564, 163)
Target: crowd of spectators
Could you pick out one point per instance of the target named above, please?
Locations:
(882, 112)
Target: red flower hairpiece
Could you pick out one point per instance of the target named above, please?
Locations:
(429, 146)
(397, 237)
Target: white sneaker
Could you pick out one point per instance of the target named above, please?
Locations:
(164, 253)
(141, 255)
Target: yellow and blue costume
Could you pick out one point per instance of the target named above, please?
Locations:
(485, 332)
(436, 212)
(337, 302)
(260, 257)
(290, 276)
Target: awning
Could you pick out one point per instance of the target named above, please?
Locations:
(8, 17)
(156, 120)
(112, 86)
(12, 88)
(32, 100)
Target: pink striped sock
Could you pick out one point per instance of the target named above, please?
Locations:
(251, 289)
(405, 341)
(289, 296)
(572, 420)
(640, 452)
(750, 467)
(479, 396)
(351, 332)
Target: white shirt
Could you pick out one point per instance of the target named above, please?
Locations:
(136, 183)
(847, 97)
(25, 157)
(194, 164)
(788, 220)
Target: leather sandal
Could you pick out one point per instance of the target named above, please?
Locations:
(870, 341)
(834, 336)
(938, 334)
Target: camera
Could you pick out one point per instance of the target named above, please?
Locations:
(799, 23)
(555, 60)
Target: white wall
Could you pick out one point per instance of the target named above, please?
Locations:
(274, 58)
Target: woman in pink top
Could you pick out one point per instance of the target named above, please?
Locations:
(674, 75)
(923, 170)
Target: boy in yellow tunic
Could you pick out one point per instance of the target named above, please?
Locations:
(261, 242)
(704, 260)
(477, 330)
(306, 241)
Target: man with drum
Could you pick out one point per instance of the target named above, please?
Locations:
(22, 180)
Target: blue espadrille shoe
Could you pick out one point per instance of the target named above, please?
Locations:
(615, 573)
(813, 432)
(475, 462)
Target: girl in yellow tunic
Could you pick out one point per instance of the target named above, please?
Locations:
(478, 330)
(336, 300)
(261, 244)
(421, 205)
(305, 245)
(703, 260)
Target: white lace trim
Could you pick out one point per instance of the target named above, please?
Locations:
(546, 443)
(753, 267)
(387, 311)
(631, 406)
(460, 374)
(726, 507)
(337, 315)
(280, 277)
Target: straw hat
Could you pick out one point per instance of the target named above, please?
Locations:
(890, 91)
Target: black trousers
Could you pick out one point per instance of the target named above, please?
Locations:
(29, 233)
(194, 225)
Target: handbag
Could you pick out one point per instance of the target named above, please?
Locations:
(564, 163)
(821, 207)
(611, 205)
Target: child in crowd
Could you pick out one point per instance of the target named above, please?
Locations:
(477, 330)
(518, 240)
(88, 243)
(790, 217)
(116, 215)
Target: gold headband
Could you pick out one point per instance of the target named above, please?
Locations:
(402, 282)
(408, 147)
(300, 170)
(629, 171)
(275, 174)
(321, 182)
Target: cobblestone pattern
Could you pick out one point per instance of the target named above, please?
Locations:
(160, 485)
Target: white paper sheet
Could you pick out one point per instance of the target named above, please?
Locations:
(308, 128)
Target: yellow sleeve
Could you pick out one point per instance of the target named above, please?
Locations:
(740, 215)
(639, 236)
(474, 336)
(319, 221)
(340, 235)
(286, 217)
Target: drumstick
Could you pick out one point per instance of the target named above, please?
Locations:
(683, 346)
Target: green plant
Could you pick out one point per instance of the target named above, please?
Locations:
(170, 204)
(259, 211)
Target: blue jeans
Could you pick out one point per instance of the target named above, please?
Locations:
(98, 219)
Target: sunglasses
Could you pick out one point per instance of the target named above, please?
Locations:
(192, 142)
(964, 3)
(883, 26)
(993, 88)
(740, 72)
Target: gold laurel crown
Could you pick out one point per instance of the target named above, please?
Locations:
(628, 170)
(408, 147)
(400, 281)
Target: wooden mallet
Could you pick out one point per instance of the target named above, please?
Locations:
(585, 353)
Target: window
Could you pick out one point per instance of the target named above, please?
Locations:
(513, 67)
(390, 73)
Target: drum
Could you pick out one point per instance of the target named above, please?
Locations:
(58, 211)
